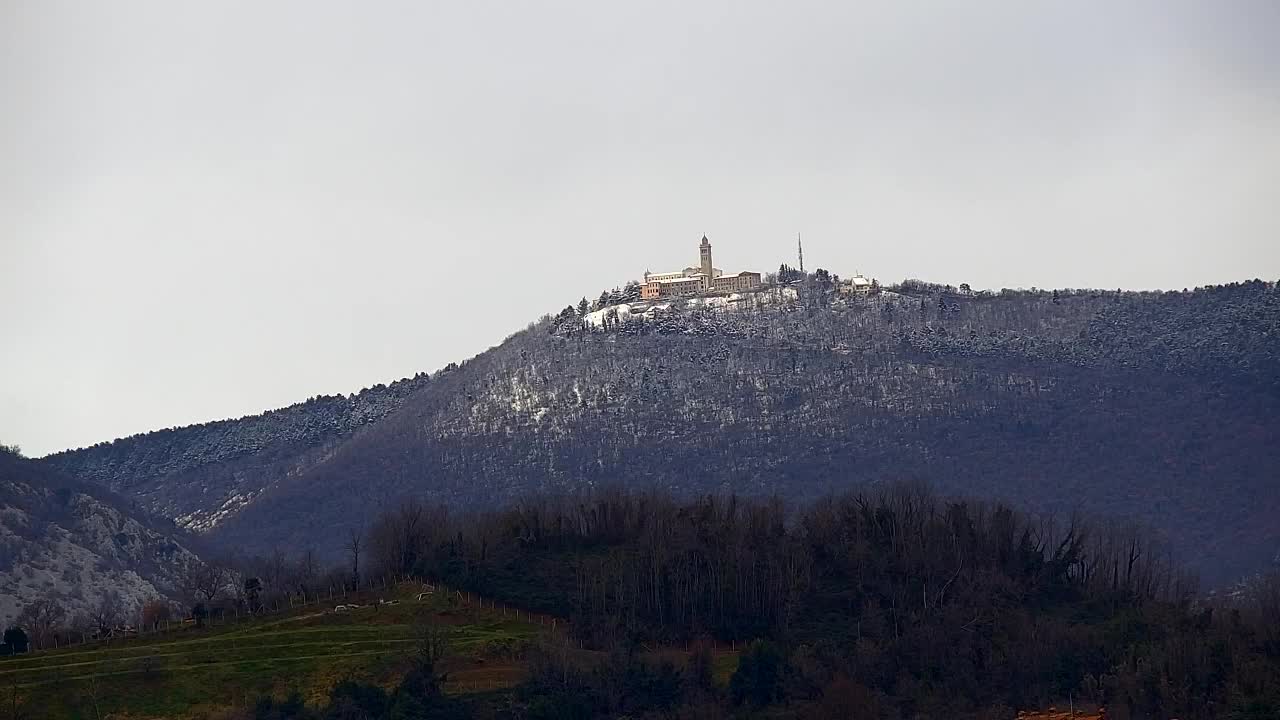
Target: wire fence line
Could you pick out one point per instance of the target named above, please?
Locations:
(283, 607)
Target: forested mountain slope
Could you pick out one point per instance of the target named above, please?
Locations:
(1160, 407)
(200, 473)
(77, 545)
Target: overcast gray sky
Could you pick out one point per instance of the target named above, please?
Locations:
(210, 209)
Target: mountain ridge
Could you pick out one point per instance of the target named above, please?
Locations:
(277, 442)
(1064, 401)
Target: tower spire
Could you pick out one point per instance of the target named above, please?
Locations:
(708, 268)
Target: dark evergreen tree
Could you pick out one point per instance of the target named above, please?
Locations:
(15, 642)
(758, 679)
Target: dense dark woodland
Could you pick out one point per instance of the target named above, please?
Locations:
(886, 604)
(1158, 407)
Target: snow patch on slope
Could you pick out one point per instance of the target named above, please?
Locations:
(733, 301)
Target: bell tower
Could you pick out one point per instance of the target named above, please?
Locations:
(708, 270)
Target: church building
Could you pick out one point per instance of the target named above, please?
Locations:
(701, 280)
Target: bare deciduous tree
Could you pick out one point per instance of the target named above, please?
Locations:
(355, 541)
(42, 618)
(106, 615)
(400, 538)
(308, 571)
(204, 582)
(154, 613)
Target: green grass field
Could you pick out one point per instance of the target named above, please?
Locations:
(197, 672)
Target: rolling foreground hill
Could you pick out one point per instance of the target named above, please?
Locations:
(77, 545)
(1159, 408)
(201, 672)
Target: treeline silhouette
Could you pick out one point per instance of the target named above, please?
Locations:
(897, 601)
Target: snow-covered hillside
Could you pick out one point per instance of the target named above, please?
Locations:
(1065, 401)
(200, 474)
(653, 309)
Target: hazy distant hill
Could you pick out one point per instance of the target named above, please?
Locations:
(67, 541)
(1160, 407)
(201, 473)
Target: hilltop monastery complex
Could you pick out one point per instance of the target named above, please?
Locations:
(707, 278)
(696, 280)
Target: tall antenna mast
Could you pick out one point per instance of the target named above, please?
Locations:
(800, 249)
